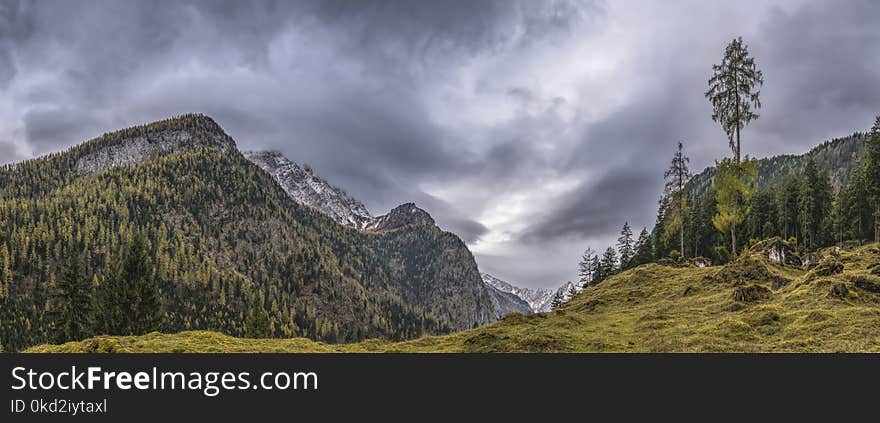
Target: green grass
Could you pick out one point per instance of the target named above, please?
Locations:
(652, 308)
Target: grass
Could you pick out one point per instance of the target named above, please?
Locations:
(652, 308)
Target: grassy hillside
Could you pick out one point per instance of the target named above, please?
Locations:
(750, 305)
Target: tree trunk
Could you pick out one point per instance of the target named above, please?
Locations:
(736, 153)
(733, 240)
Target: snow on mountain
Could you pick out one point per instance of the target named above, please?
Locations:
(308, 189)
(505, 303)
(539, 300)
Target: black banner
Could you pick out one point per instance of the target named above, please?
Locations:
(425, 387)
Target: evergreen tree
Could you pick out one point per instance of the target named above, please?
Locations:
(644, 253)
(258, 323)
(625, 245)
(676, 177)
(585, 268)
(607, 265)
(558, 300)
(71, 304)
(734, 92)
(734, 186)
(130, 297)
(788, 201)
(814, 206)
(872, 174)
(572, 291)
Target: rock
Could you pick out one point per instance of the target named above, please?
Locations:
(866, 284)
(809, 260)
(777, 252)
(701, 262)
(839, 290)
(751, 293)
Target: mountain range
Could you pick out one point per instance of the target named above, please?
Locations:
(226, 237)
(308, 189)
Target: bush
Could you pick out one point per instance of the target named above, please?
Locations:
(722, 254)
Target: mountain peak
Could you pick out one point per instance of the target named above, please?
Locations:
(403, 215)
(141, 143)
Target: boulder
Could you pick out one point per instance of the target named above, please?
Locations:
(809, 260)
(701, 262)
(866, 284)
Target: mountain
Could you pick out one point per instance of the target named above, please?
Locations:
(538, 300)
(310, 190)
(307, 189)
(224, 237)
(505, 303)
(837, 157)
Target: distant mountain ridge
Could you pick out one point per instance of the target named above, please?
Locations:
(538, 300)
(836, 156)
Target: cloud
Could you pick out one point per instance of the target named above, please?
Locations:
(531, 129)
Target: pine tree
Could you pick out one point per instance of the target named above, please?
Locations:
(607, 265)
(558, 300)
(130, 297)
(71, 304)
(625, 245)
(788, 201)
(872, 174)
(585, 268)
(734, 92)
(676, 177)
(572, 291)
(258, 323)
(644, 253)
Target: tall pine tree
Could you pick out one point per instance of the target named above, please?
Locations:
(586, 270)
(625, 245)
(676, 177)
(71, 303)
(872, 174)
(734, 92)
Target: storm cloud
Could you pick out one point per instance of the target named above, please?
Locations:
(531, 129)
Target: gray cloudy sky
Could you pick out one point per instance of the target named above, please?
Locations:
(533, 129)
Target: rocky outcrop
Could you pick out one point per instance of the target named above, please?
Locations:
(121, 149)
(307, 189)
(777, 252)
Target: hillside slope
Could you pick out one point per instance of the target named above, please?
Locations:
(747, 306)
(224, 238)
